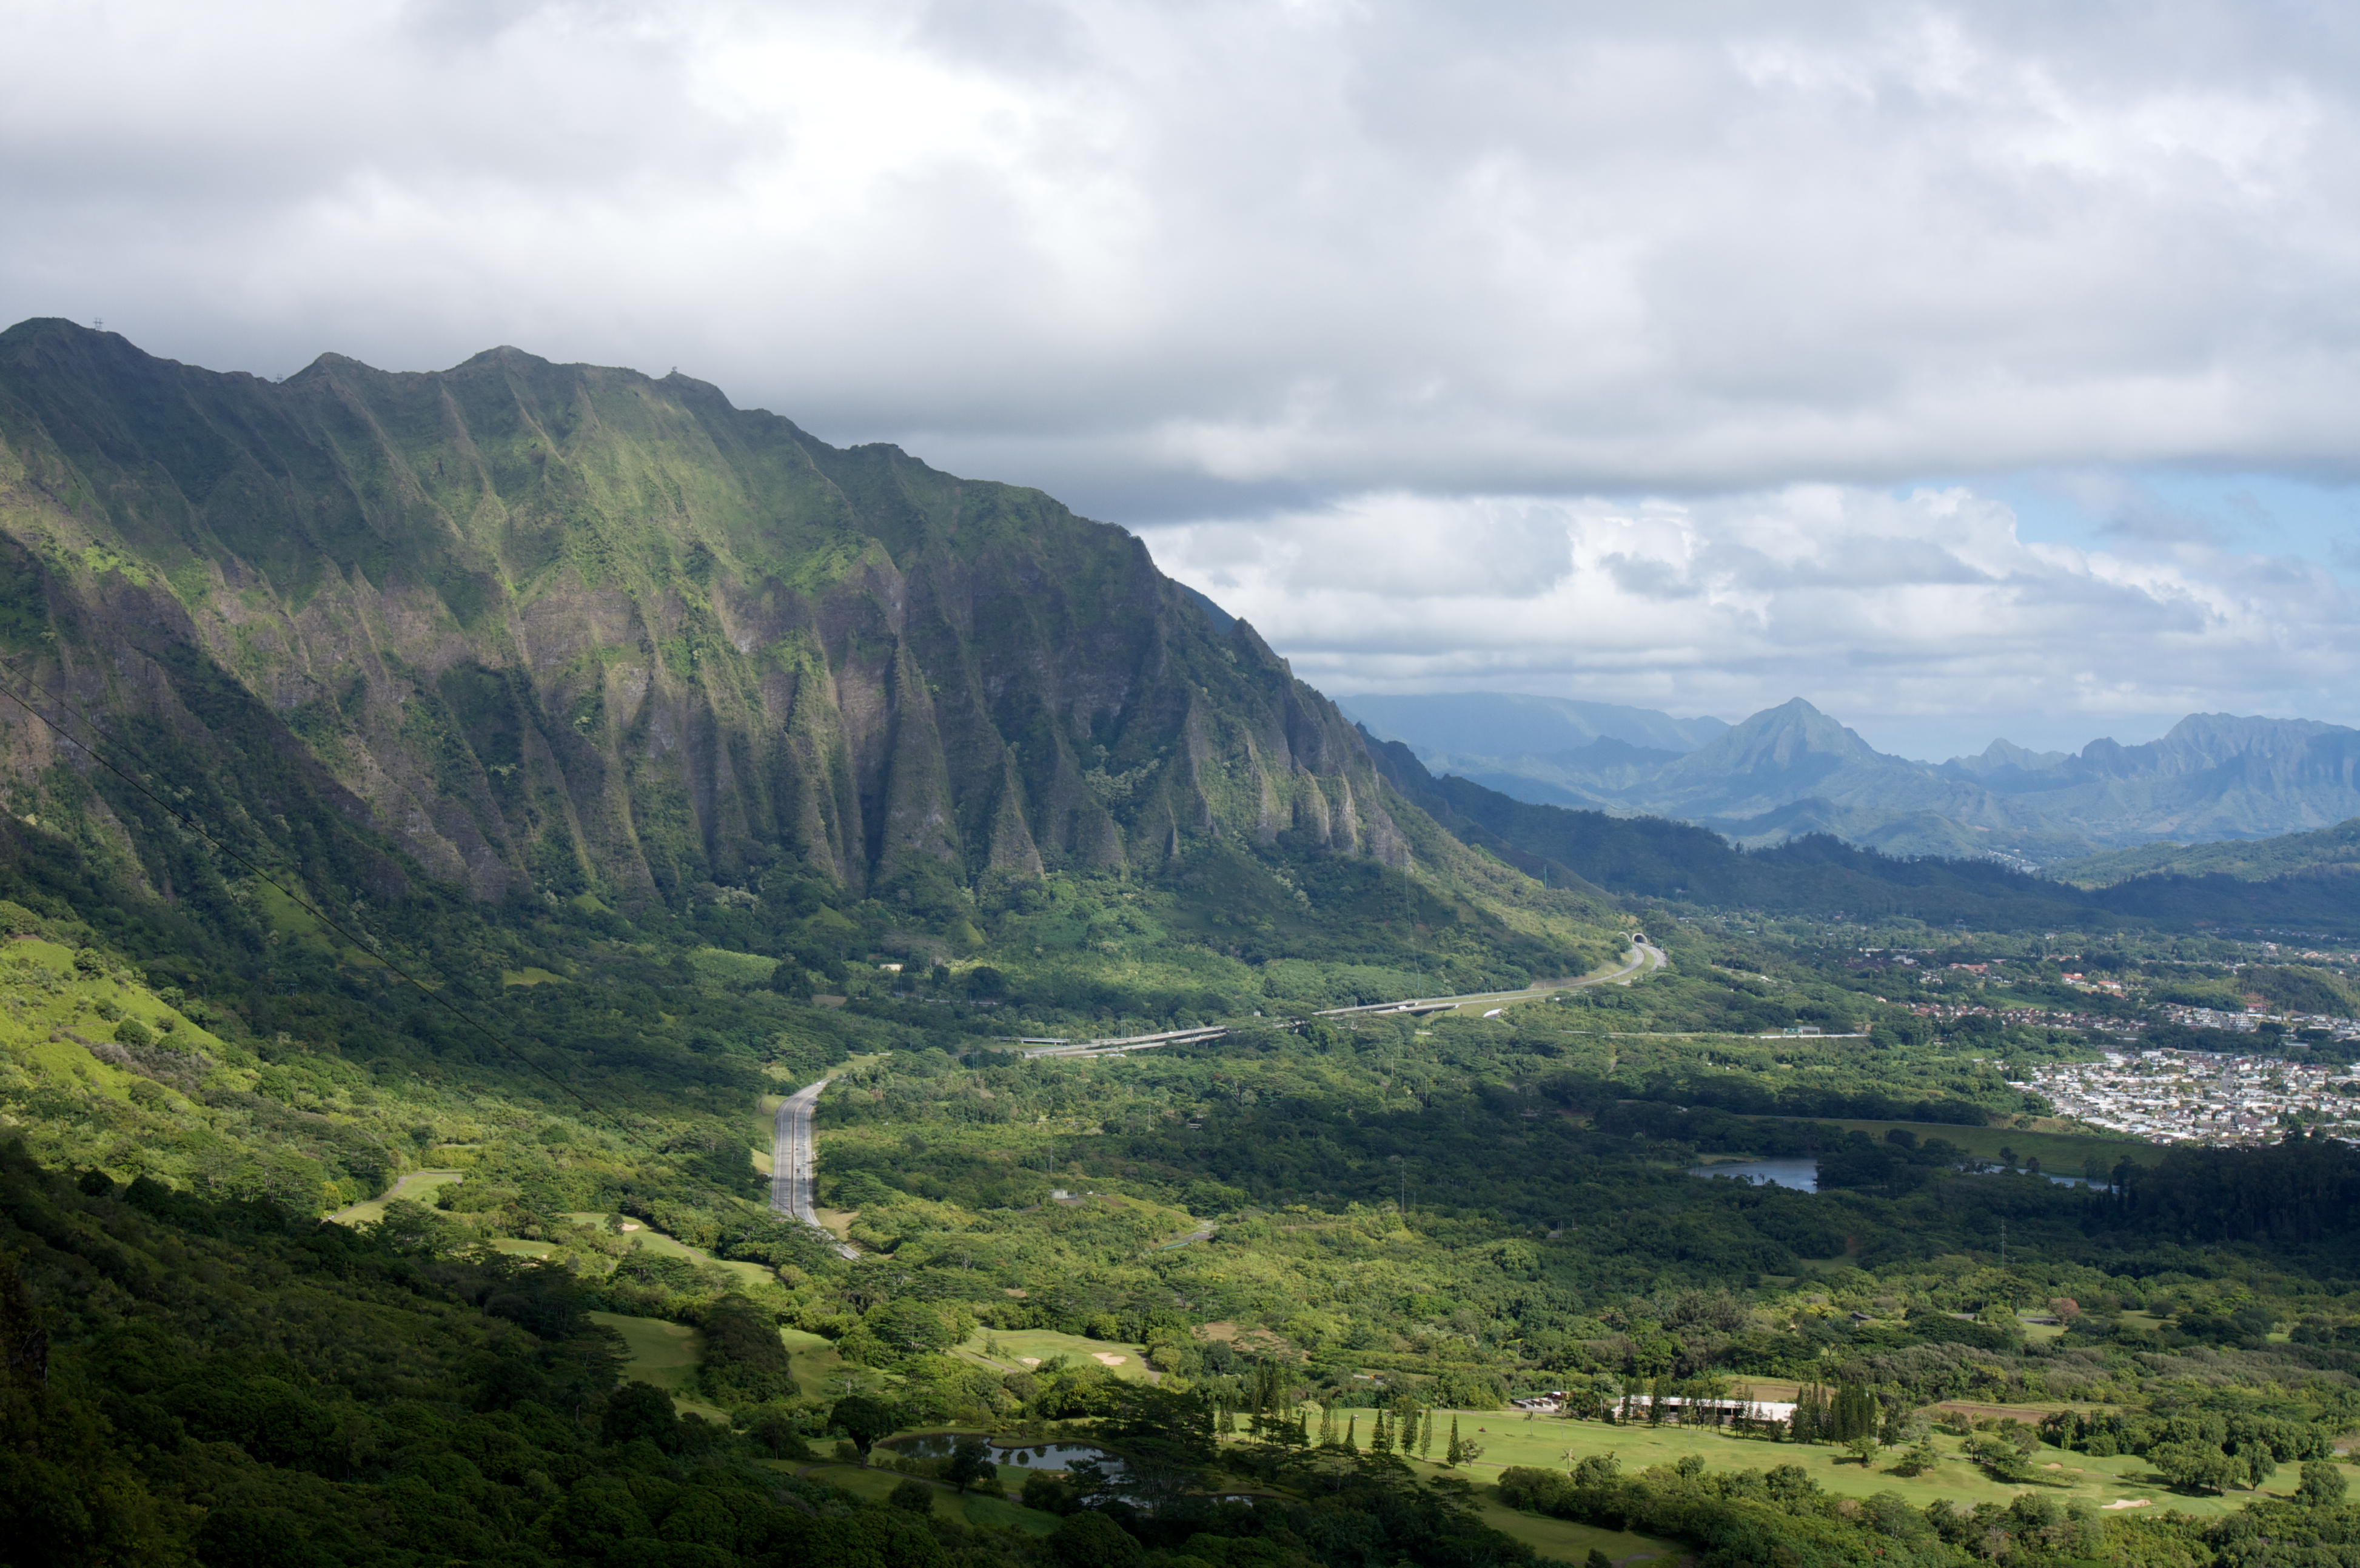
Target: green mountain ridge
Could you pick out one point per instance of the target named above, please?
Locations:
(570, 630)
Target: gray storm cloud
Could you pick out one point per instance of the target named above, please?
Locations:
(1273, 261)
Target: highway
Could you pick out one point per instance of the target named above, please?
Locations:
(1646, 956)
(791, 1160)
(790, 1133)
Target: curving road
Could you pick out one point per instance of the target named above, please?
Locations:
(1644, 956)
(791, 1135)
(791, 1160)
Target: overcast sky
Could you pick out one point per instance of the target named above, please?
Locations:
(1975, 371)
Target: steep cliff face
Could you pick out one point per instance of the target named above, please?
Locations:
(565, 629)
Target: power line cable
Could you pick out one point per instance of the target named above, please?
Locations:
(356, 939)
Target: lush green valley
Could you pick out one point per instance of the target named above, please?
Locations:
(446, 813)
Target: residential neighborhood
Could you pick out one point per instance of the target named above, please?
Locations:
(2190, 1096)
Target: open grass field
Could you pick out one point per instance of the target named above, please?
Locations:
(419, 1186)
(817, 1368)
(1549, 1443)
(1020, 1350)
(513, 1247)
(656, 1241)
(983, 1513)
(662, 1354)
(838, 1223)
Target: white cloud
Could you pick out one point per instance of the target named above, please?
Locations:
(1523, 248)
(1173, 262)
(1924, 619)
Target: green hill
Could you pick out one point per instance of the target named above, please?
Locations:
(2328, 852)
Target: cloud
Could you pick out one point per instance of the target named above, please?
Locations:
(1380, 283)
(1132, 249)
(1924, 618)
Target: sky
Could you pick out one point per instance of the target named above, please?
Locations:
(1968, 371)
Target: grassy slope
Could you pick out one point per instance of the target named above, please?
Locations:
(656, 1241)
(417, 1186)
(1022, 1349)
(664, 1353)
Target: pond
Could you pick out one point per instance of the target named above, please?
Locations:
(1030, 1455)
(1055, 1456)
(1802, 1175)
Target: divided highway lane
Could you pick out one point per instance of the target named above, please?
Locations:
(791, 1160)
(1644, 956)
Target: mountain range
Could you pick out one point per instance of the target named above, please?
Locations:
(2299, 883)
(551, 631)
(1792, 770)
(563, 634)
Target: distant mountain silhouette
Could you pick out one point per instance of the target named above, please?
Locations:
(2307, 882)
(1792, 770)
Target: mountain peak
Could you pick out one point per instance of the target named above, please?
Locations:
(1791, 727)
(1780, 753)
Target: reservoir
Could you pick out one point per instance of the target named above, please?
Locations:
(1802, 1175)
